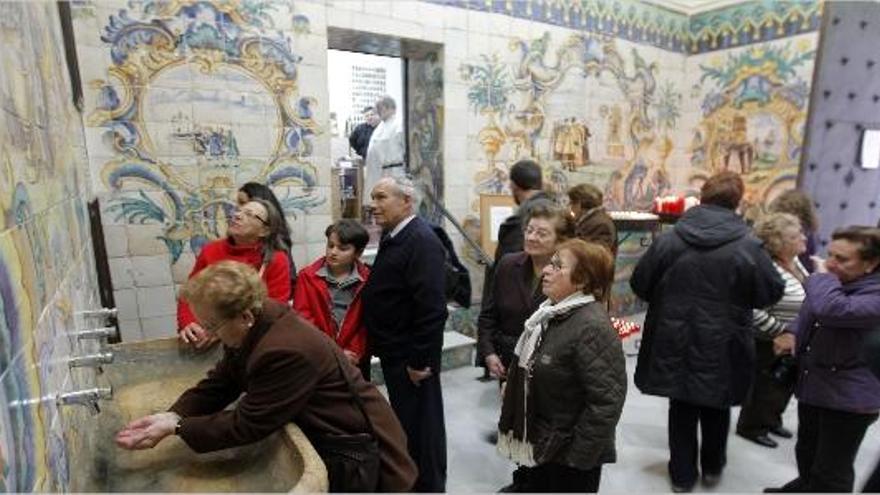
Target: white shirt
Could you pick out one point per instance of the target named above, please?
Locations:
(386, 147)
(403, 223)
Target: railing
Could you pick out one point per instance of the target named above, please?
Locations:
(483, 258)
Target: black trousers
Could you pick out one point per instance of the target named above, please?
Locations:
(714, 426)
(557, 478)
(420, 411)
(827, 443)
(767, 399)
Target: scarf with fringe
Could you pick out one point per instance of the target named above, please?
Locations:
(513, 440)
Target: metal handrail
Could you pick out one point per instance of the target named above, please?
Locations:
(483, 258)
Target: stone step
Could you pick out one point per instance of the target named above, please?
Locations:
(458, 351)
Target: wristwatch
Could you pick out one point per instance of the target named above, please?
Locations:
(177, 426)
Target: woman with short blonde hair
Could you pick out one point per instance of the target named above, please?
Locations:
(762, 410)
(279, 369)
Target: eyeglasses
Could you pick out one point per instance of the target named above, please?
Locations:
(539, 233)
(250, 214)
(556, 264)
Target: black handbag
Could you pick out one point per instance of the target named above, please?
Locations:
(352, 461)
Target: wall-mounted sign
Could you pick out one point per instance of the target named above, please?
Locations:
(869, 156)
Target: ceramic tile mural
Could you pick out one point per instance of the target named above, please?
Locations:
(540, 106)
(735, 25)
(752, 105)
(426, 113)
(193, 99)
(185, 100)
(45, 244)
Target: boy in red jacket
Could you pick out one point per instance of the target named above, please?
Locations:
(328, 291)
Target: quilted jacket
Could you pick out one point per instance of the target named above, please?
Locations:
(577, 390)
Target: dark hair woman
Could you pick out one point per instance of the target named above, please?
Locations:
(255, 190)
(567, 382)
(592, 222)
(838, 395)
(252, 238)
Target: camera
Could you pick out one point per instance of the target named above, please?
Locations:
(784, 370)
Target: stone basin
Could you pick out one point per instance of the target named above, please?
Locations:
(147, 377)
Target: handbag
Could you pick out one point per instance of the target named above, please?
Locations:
(784, 370)
(352, 461)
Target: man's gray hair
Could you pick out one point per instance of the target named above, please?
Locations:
(405, 187)
(386, 102)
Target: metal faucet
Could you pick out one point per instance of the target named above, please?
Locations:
(88, 397)
(91, 360)
(98, 313)
(95, 333)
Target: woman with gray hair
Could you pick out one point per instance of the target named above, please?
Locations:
(762, 411)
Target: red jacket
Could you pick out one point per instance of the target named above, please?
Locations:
(276, 275)
(311, 300)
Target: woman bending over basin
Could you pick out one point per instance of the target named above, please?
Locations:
(288, 371)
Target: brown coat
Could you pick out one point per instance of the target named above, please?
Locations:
(287, 371)
(595, 225)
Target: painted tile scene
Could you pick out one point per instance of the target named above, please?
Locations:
(439, 245)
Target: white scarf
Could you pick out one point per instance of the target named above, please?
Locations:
(535, 325)
(510, 447)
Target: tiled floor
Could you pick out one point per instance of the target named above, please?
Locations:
(472, 411)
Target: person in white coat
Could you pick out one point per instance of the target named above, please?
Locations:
(387, 150)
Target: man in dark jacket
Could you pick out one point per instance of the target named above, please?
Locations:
(701, 282)
(359, 139)
(526, 187)
(405, 313)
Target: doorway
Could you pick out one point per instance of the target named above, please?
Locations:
(361, 61)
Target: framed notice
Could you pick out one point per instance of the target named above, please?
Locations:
(494, 209)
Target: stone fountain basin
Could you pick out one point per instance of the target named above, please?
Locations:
(146, 378)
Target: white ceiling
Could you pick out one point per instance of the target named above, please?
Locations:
(691, 7)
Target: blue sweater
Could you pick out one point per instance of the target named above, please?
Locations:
(404, 300)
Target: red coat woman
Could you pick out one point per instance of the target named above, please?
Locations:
(252, 238)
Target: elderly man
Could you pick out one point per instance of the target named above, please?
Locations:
(386, 151)
(405, 312)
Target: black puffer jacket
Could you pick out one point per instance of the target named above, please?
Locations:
(701, 282)
(578, 388)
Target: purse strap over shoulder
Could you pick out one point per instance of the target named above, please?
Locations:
(354, 394)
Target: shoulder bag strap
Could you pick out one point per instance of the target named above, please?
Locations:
(354, 394)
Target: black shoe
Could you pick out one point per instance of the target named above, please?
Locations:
(793, 486)
(682, 488)
(492, 437)
(762, 440)
(511, 488)
(781, 431)
(711, 480)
